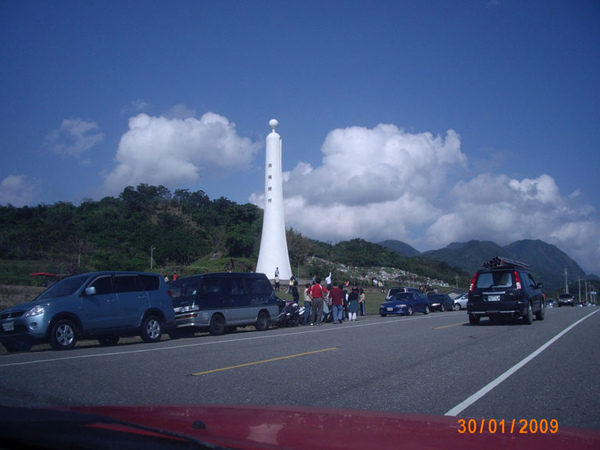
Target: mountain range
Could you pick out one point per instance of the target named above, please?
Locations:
(548, 263)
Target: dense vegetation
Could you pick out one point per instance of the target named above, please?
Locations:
(182, 231)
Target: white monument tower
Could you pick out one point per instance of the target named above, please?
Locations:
(273, 254)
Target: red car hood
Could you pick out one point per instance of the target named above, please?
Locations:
(263, 427)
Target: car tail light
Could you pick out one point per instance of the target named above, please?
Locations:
(170, 293)
(473, 283)
(517, 280)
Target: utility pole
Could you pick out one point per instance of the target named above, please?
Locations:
(151, 255)
(566, 282)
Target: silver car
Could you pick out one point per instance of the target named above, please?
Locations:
(98, 305)
(461, 302)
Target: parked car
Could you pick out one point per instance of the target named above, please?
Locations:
(440, 302)
(566, 300)
(460, 302)
(505, 288)
(99, 305)
(405, 303)
(394, 290)
(219, 301)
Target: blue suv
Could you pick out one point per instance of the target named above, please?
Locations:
(98, 305)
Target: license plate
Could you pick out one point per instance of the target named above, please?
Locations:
(390, 309)
(8, 326)
(493, 298)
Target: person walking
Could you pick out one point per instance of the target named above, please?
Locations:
(353, 307)
(277, 279)
(307, 304)
(361, 301)
(336, 294)
(294, 291)
(317, 293)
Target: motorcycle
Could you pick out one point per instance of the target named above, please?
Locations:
(289, 315)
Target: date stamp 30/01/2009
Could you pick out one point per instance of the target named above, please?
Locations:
(517, 426)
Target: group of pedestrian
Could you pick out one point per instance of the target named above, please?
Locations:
(292, 288)
(343, 306)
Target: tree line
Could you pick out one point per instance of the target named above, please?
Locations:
(177, 230)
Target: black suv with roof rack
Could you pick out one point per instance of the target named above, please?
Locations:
(505, 288)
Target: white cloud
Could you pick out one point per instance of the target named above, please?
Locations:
(181, 111)
(384, 183)
(17, 191)
(136, 106)
(74, 137)
(175, 151)
(373, 183)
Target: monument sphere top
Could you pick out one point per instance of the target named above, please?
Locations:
(273, 124)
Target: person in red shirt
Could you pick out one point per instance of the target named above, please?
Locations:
(317, 293)
(336, 295)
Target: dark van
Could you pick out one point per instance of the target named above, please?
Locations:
(218, 301)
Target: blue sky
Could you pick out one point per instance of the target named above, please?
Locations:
(429, 122)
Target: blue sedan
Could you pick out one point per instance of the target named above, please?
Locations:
(405, 303)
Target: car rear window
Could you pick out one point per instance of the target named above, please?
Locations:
(186, 287)
(494, 279)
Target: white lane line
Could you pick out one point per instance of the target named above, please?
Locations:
(484, 390)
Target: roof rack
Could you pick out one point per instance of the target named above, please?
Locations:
(500, 261)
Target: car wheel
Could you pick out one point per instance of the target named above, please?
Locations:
(63, 335)
(528, 318)
(262, 322)
(151, 329)
(473, 319)
(16, 345)
(426, 310)
(410, 311)
(217, 325)
(384, 315)
(456, 307)
(108, 341)
(541, 313)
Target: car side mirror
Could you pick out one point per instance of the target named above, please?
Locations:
(91, 290)
(539, 286)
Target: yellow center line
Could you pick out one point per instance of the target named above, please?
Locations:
(264, 361)
(448, 326)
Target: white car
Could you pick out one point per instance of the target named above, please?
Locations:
(460, 302)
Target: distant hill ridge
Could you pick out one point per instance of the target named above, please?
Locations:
(548, 262)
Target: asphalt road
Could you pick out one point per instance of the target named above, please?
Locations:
(436, 364)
